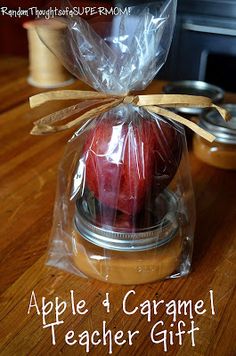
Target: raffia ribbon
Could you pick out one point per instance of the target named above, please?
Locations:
(154, 103)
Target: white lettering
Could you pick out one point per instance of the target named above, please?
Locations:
(84, 340)
(171, 309)
(212, 302)
(107, 333)
(155, 335)
(95, 333)
(198, 306)
(180, 332)
(52, 325)
(125, 301)
(69, 336)
(106, 303)
(131, 335)
(192, 332)
(33, 303)
(59, 308)
(46, 309)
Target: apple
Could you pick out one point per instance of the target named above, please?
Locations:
(112, 219)
(129, 161)
(115, 220)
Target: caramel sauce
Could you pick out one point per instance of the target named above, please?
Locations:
(124, 267)
(217, 154)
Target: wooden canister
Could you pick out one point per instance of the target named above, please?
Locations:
(46, 71)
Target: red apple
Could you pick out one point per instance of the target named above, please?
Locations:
(114, 219)
(127, 161)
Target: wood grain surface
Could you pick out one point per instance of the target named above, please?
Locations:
(28, 171)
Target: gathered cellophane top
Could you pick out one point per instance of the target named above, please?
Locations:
(124, 202)
(118, 54)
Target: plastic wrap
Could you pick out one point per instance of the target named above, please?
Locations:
(124, 210)
(119, 54)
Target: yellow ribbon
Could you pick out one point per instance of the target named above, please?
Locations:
(85, 110)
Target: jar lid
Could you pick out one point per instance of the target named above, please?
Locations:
(194, 87)
(224, 132)
(142, 239)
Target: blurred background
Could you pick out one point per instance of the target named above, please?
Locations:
(204, 45)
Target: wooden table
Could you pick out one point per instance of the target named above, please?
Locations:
(28, 167)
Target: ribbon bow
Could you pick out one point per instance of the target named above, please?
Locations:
(85, 110)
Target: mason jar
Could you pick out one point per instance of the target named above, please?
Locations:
(222, 152)
(129, 257)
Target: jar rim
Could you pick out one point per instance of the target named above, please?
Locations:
(194, 87)
(225, 132)
(142, 239)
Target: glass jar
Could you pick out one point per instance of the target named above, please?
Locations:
(222, 152)
(124, 210)
(128, 257)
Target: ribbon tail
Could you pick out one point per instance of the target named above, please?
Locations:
(42, 98)
(224, 113)
(179, 100)
(174, 100)
(42, 128)
(68, 111)
(171, 115)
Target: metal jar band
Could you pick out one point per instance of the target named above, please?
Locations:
(142, 239)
